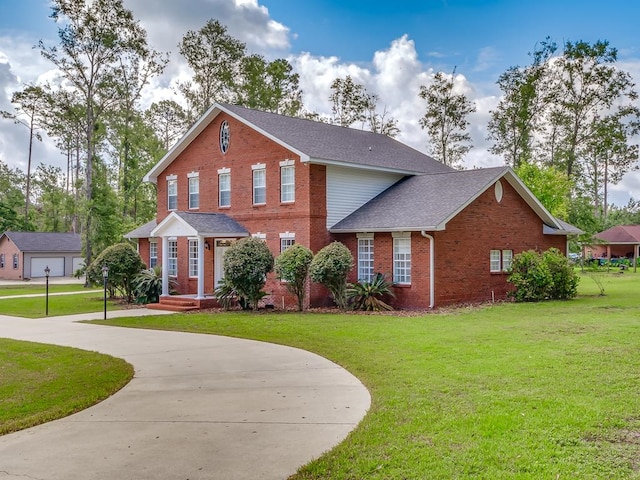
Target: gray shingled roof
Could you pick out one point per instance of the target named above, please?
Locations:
(423, 202)
(143, 231)
(325, 142)
(212, 223)
(46, 241)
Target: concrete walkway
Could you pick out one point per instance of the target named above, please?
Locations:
(199, 407)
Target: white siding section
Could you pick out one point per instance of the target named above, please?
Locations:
(350, 188)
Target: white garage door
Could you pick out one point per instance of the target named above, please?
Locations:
(55, 264)
(78, 263)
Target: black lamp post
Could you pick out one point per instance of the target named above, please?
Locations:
(105, 276)
(47, 271)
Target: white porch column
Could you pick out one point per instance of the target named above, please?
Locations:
(200, 267)
(165, 266)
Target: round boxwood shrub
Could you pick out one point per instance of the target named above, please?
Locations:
(292, 267)
(124, 265)
(330, 268)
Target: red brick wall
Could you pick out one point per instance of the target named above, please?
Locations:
(247, 147)
(463, 249)
(9, 249)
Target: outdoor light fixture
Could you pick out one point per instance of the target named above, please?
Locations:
(206, 245)
(105, 276)
(47, 271)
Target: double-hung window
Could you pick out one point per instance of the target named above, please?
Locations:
(287, 181)
(194, 191)
(402, 258)
(172, 193)
(172, 267)
(224, 187)
(287, 239)
(15, 261)
(1, 260)
(193, 258)
(153, 253)
(500, 260)
(365, 257)
(259, 184)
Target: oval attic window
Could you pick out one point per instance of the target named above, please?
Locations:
(498, 191)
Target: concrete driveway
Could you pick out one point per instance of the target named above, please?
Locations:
(199, 407)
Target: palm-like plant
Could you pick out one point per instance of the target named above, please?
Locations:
(148, 285)
(368, 295)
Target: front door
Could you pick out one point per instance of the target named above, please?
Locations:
(218, 260)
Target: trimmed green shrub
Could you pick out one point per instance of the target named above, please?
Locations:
(563, 277)
(547, 276)
(292, 267)
(124, 266)
(330, 268)
(368, 295)
(246, 264)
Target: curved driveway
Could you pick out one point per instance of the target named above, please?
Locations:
(198, 407)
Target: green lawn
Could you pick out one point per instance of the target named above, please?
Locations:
(6, 290)
(39, 383)
(511, 391)
(34, 307)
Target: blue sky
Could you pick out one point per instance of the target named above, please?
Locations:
(390, 47)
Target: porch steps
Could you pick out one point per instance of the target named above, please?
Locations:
(182, 303)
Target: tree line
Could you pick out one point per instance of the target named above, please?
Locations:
(565, 122)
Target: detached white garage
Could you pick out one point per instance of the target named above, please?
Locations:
(25, 255)
(55, 264)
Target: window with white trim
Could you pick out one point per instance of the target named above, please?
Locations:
(507, 259)
(172, 258)
(153, 253)
(1, 260)
(224, 189)
(193, 258)
(365, 258)
(287, 239)
(194, 192)
(259, 186)
(287, 183)
(402, 259)
(172, 194)
(15, 261)
(500, 260)
(494, 257)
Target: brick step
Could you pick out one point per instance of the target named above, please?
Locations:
(171, 307)
(186, 302)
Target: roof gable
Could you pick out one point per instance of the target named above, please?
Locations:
(45, 241)
(428, 202)
(621, 234)
(315, 142)
(199, 224)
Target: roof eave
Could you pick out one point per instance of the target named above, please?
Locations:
(429, 228)
(339, 163)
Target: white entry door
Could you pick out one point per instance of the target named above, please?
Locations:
(218, 261)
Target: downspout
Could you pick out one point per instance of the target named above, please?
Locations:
(432, 262)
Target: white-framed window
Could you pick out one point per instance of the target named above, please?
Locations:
(402, 258)
(259, 184)
(1, 260)
(260, 236)
(172, 194)
(193, 258)
(153, 253)
(494, 259)
(507, 259)
(287, 181)
(224, 188)
(15, 261)
(365, 257)
(194, 192)
(287, 239)
(172, 267)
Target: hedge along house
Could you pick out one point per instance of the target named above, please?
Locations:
(25, 255)
(442, 235)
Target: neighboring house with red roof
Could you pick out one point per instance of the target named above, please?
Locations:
(442, 235)
(25, 255)
(621, 241)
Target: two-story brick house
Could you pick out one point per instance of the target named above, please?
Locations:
(444, 236)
